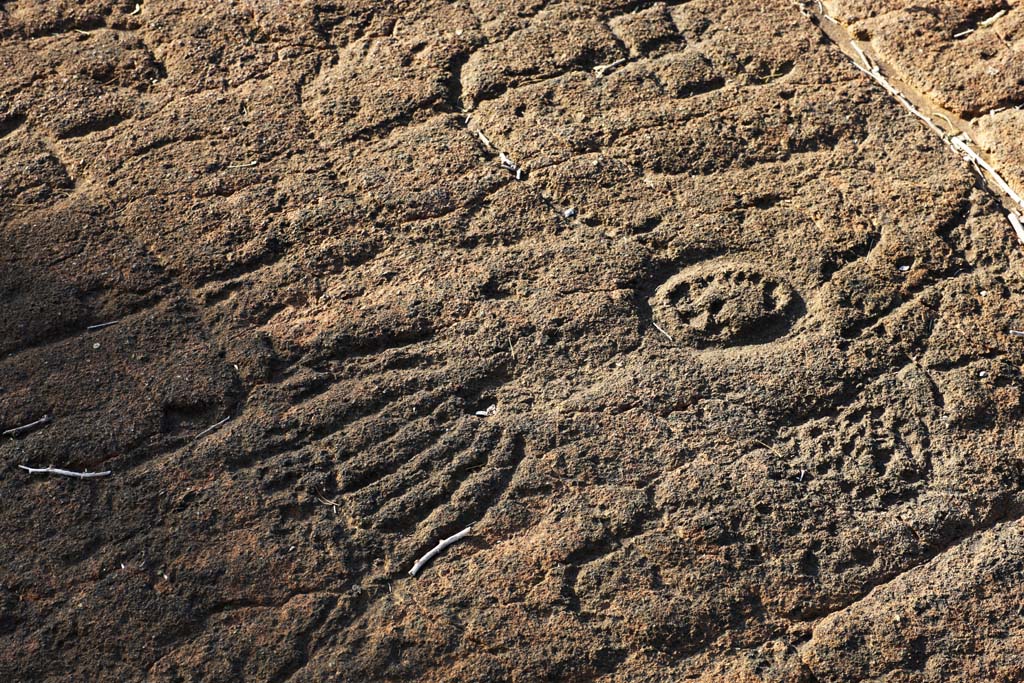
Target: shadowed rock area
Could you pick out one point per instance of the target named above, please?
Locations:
(744, 321)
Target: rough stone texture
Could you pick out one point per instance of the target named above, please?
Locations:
(293, 213)
(966, 56)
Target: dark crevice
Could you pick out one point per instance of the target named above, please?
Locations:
(95, 126)
(11, 124)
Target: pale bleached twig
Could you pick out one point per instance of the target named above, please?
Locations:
(138, 8)
(44, 420)
(667, 335)
(601, 69)
(1017, 333)
(438, 548)
(210, 428)
(327, 501)
(510, 165)
(102, 325)
(1017, 227)
(946, 119)
(324, 499)
(64, 473)
(247, 165)
(974, 157)
(993, 19)
(867, 60)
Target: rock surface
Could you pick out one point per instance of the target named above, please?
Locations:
(351, 226)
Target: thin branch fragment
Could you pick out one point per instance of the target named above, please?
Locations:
(510, 165)
(667, 335)
(64, 473)
(44, 420)
(102, 325)
(210, 428)
(326, 501)
(438, 548)
(602, 69)
(993, 19)
(1017, 227)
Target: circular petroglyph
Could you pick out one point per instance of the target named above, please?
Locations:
(725, 304)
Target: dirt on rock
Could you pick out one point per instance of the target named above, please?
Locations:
(744, 322)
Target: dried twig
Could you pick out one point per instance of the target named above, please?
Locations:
(601, 69)
(210, 428)
(438, 548)
(44, 420)
(1017, 227)
(667, 335)
(510, 165)
(246, 165)
(102, 325)
(993, 19)
(972, 156)
(326, 501)
(138, 8)
(63, 473)
(1017, 333)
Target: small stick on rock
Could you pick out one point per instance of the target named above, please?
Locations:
(1017, 333)
(438, 548)
(102, 325)
(667, 335)
(44, 420)
(993, 19)
(251, 163)
(64, 473)
(1017, 227)
(210, 429)
(602, 69)
(327, 501)
(510, 165)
